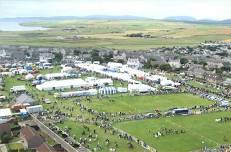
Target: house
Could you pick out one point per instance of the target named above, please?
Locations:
(196, 71)
(2, 53)
(214, 64)
(133, 63)
(24, 99)
(46, 56)
(5, 128)
(227, 82)
(174, 63)
(212, 77)
(30, 138)
(45, 148)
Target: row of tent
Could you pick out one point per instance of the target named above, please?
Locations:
(91, 92)
(106, 91)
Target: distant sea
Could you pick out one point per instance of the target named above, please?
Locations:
(15, 26)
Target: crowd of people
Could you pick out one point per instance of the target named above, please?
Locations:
(167, 132)
(224, 119)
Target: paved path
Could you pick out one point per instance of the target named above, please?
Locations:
(57, 138)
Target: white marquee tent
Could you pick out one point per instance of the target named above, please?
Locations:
(62, 84)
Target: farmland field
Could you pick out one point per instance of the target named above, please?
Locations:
(200, 131)
(141, 104)
(113, 34)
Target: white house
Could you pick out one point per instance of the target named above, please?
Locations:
(133, 63)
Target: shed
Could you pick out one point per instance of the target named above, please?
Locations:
(34, 109)
(5, 113)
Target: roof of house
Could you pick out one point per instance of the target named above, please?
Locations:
(29, 133)
(24, 98)
(5, 127)
(45, 148)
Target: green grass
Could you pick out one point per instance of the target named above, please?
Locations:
(15, 146)
(198, 128)
(112, 34)
(77, 129)
(56, 69)
(203, 86)
(141, 104)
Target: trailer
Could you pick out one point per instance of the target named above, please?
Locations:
(181, 111)
(21, 88)
(34, 109)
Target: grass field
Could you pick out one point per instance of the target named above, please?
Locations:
(142, 104)
(198, 128)
(201, 131)
(15, 146)
(203, 86)
(112, 34)
(77, 129)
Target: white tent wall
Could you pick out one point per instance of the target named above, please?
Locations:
(140, 88)
(100, 82)
(52, 76)
(122, 90)
(62, 84)
(90, 92)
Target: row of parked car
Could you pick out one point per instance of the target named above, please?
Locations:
(221, 101)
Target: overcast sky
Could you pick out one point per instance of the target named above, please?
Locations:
(200, 9)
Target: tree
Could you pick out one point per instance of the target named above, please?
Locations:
(183, 61)
(204, 63)
(108, 58)
(95, 55)
(5, 138)
(58, 56)
(165, 67)
(130, 145)
(195, 61)
(150, 63)
(121, 61)
(226, 67)
(77, 52)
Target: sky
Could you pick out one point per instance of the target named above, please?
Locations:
(157, 9)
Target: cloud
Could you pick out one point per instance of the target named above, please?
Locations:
(214, 9)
